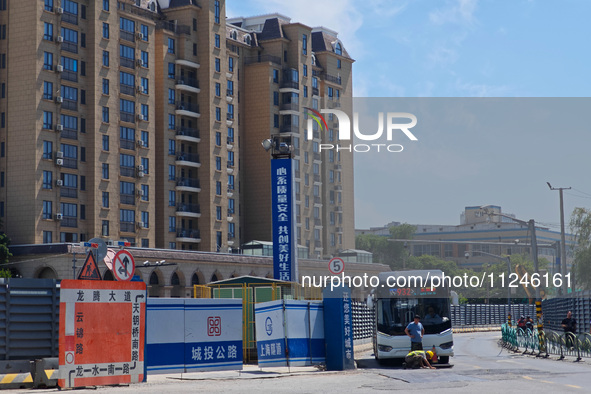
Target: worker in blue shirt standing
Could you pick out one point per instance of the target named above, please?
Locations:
(415, 331)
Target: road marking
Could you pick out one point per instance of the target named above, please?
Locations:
(545, 381)
(527, 377)
(573, 386)
(477, 367)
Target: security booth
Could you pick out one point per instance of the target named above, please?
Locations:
(253, 290)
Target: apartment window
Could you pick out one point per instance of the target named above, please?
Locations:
(217, 40)
(170, 45)
(145, 192)
(307, 221)
(217, 65)
(105, 30)
(145, 111)
(171, 71)
(106, 58)
(230, 88)
(48, 31)
(231, 206)
(218, 188)
(218, 212)
(105, 114)
(230, 134)
(145, 137)
(275, 98)
(69, 35)
(48, 61)
(305, 70)
(218, 138)
(305, 91)
(49, 5)
(230, 111)
(275, 76)
(47, 150)
(338, 49)
(105, 5)
(47, 90)
(231, 182)
(171, 147)
(47, 237)
(171, 96)
(2, 146)
(145, 218)
(217, 11)
(230, 158)
(171, 172)
(218, 89)
(145, 161)
(305, 44)
(171, 121)
(2, 90)
(171, 198)
(194, 24)
(172, 224)
(105, 86)
(47, 180)
(82, 96)
(231, 64)
(2, 120)
(338, 63)
(47, 210)
(218, 163)
(331, 156)
(144, 57)
(105, 171)
(276, 120)
(105, 142)
(218, 114)
(145, 86)
(105, 228)
(47, 120)
(330, 93)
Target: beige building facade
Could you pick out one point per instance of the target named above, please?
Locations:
(142, 121)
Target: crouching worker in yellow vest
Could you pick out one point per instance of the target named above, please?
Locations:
(418, 359)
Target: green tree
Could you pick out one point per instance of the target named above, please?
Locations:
(385, 251)
(580, 224)
(4, 251)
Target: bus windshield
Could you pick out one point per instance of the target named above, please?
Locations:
(394, 314)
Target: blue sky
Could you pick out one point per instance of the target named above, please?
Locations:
(462, 48)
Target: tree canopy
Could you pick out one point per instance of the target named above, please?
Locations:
(580, 225)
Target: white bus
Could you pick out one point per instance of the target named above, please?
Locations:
(399, 297)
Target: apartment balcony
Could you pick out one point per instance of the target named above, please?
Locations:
(188, 84)
(332, 78)
(71, 134)
(288, 108)
(127, 227)
(187, 63)
(68, 192)
(127, 171)
(70, 162)
(289, 129)
(69, 221)
(229, 95)
(128, 199)
(229, 119)
(188, 210)
(188, 185)
(230, 192)
(230, 143)
(127, 117)
(316, 156)
(187, 159)
(317, 178)
(338, 209)
(317, 222)
(72, 105)
(127, 89)
(338, 167)
(187, 109)
(68, 75)
(338, 187)
(127, 62)
(230, 167)
(127, 144)
(317, 244)
(231, 238)
(317, 200)
(188, 235)
(173, 27)
(338, 230)
(289, 86)
(127, 35)
(69, 46)
(187, 134)
(315, 92)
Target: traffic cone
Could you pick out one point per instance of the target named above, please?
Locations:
(434, 358)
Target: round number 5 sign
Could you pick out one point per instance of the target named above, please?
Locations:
(336, 266)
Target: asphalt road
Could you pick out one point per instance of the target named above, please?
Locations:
(480, 366)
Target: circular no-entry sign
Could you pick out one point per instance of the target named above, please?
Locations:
(336, 265)
(123, 265)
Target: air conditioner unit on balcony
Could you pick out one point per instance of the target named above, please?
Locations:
(59, 162)
(140, 192)
(59, 216)
(141, 143)
(59, 99)
(59, 154)
(140, 174)
(59, 39)
(59, 68)
(59, 10)
(140, 167)
(139, 62)
(140, 89)
(59, 127)
(140, 117)
(59, 182)
(141, 224)
(140, 36)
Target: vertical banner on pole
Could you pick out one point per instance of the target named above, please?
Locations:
(284, 235)
(338, 329)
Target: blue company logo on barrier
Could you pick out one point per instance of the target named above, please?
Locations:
(284, 243)
(269, 326)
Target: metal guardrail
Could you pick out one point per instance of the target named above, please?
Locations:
(562, 344)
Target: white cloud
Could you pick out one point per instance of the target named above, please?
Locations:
(457, 11)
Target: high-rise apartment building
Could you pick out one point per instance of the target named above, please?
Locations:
(142, 120)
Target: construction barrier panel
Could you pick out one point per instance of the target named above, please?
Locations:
(290, 333)
(190, 335)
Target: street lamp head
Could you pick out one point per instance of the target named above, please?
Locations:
(267, 144)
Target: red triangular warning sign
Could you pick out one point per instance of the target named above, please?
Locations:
(90, 270)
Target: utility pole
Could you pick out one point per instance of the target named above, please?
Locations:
(562, 237)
